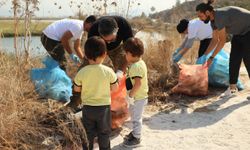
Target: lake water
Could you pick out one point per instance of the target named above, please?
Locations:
(37, 49)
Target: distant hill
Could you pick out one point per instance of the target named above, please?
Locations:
(187, 9)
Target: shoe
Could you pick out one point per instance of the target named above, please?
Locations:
(248, 98)
(229, 93)
(131, 141)
(129, 136)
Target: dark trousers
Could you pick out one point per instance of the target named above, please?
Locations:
(240, 49)
(55, 49)
(97, 122)
(118, 58)
(203, 46)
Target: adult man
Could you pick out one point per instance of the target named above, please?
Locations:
(232, 20)
(115, 30)
(56, 38)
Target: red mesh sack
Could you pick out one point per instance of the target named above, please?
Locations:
(193, 80)
(119, 105)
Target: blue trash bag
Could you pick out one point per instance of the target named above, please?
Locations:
(218, 72)
(49, 62)
(51, 81)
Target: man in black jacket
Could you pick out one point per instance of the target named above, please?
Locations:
(115, 30)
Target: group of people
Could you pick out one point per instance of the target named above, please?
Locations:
(111, 51)
(211, 30)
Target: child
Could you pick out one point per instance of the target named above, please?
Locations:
(95, 81)
(137, 94)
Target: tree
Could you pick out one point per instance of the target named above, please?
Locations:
(152, 9)
(128, 8)
(119, 7)
(143, 15)
(16, 7)
(178, 2)
(30, 6)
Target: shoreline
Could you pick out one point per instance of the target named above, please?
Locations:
(36, 27)
(12, 35)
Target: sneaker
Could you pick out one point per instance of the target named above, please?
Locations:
(229, 93)
(248, 98)
(129, 136)
(132, 141)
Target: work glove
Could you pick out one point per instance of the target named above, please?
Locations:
(176, 52)
(119, 74)
(75, 59)
(130, 100)
(177, 58)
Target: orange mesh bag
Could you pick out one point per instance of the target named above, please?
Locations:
(193, 80)
(119, 105)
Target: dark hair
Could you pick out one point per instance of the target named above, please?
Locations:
(134, 46)
(95, 47)
(182, 26)
(203, 7)
(90, 19)
(107, 26)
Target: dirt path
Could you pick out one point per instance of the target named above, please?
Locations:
(222, 124)
(210, 123)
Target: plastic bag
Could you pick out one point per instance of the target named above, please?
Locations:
(119, 105)
(218, 72)
(51, 81)
(193, 80)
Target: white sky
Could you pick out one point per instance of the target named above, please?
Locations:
(49, 9)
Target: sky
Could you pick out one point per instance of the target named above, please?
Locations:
(50, 8)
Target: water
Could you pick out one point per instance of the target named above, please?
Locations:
(36, 47)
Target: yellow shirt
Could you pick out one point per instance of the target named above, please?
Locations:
(139, 69)
(95, 81)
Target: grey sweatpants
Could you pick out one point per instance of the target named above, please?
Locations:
(136, 111)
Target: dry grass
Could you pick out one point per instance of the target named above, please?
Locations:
(163, 73)
(29, 123)
(160, 73)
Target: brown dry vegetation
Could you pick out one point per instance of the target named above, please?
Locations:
(29, 123)
(163, 73)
